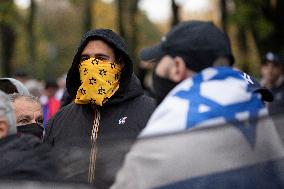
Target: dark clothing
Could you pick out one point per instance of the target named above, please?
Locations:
(66, 99)
(121, 120)
(72, 127)
(25, 158)
(277, 106)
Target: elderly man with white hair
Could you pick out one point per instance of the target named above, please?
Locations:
(22, 157)
(7, 118)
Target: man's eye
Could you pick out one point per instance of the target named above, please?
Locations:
(102, 58)
(40, 121)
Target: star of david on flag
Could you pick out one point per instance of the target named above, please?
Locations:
(204, 106)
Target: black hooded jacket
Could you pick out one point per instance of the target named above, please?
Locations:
(121, 119)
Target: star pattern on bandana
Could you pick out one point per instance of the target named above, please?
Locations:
(92, 81)
(102, 72)
(92, 101)
(95, 61)
(101, 91)
(112, 64)
(116, 76)
(83, 91)
(85, 71)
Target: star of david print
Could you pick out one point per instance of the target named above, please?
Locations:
(112, 64)
(229, 112)
(85, 71)
(92, 101)
(92, 81)
(101, 91)
(83, 91)
(95, 61)
(116, 76)
(102, 72)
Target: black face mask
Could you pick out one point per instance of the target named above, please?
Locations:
(162, 87)
(33, 129)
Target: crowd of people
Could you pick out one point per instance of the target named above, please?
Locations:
(202, 123)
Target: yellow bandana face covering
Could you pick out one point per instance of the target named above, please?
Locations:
(99, 81)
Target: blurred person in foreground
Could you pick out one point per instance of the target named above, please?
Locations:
(7, 117)
(28, 113)
(272, 78)
(22, 157)
(108, 112)
(206, 132)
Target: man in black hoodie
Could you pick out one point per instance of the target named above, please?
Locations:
(108, 112)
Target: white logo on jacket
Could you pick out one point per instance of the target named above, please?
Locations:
(122, 120)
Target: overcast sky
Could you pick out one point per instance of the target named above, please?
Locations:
(160, 10)
(156, 10)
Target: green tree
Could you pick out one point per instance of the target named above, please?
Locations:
(87, 15)
(8, 35)
(127, 11)
(264, 18)
(175, 13)
(31, 46)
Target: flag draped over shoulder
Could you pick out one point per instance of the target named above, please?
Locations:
(215, 96)
(209, 132)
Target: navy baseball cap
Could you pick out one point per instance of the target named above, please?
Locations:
(254, 86)
(271, 57)
(199, 43)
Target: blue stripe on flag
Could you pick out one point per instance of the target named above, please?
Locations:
(261, 176)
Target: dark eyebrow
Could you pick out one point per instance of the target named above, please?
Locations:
(24, 117)
(101, 55)
(84, 55)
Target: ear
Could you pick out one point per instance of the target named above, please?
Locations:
(178, 71)
(3, 128)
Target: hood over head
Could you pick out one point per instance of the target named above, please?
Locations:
(11, 85)
(118, 46)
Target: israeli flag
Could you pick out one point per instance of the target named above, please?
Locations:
(213, 97)
(209, 132)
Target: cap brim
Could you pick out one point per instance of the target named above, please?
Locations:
(254, 86)
(266, 94)
(152, 53)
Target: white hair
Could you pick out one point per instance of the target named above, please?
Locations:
(6, 111)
